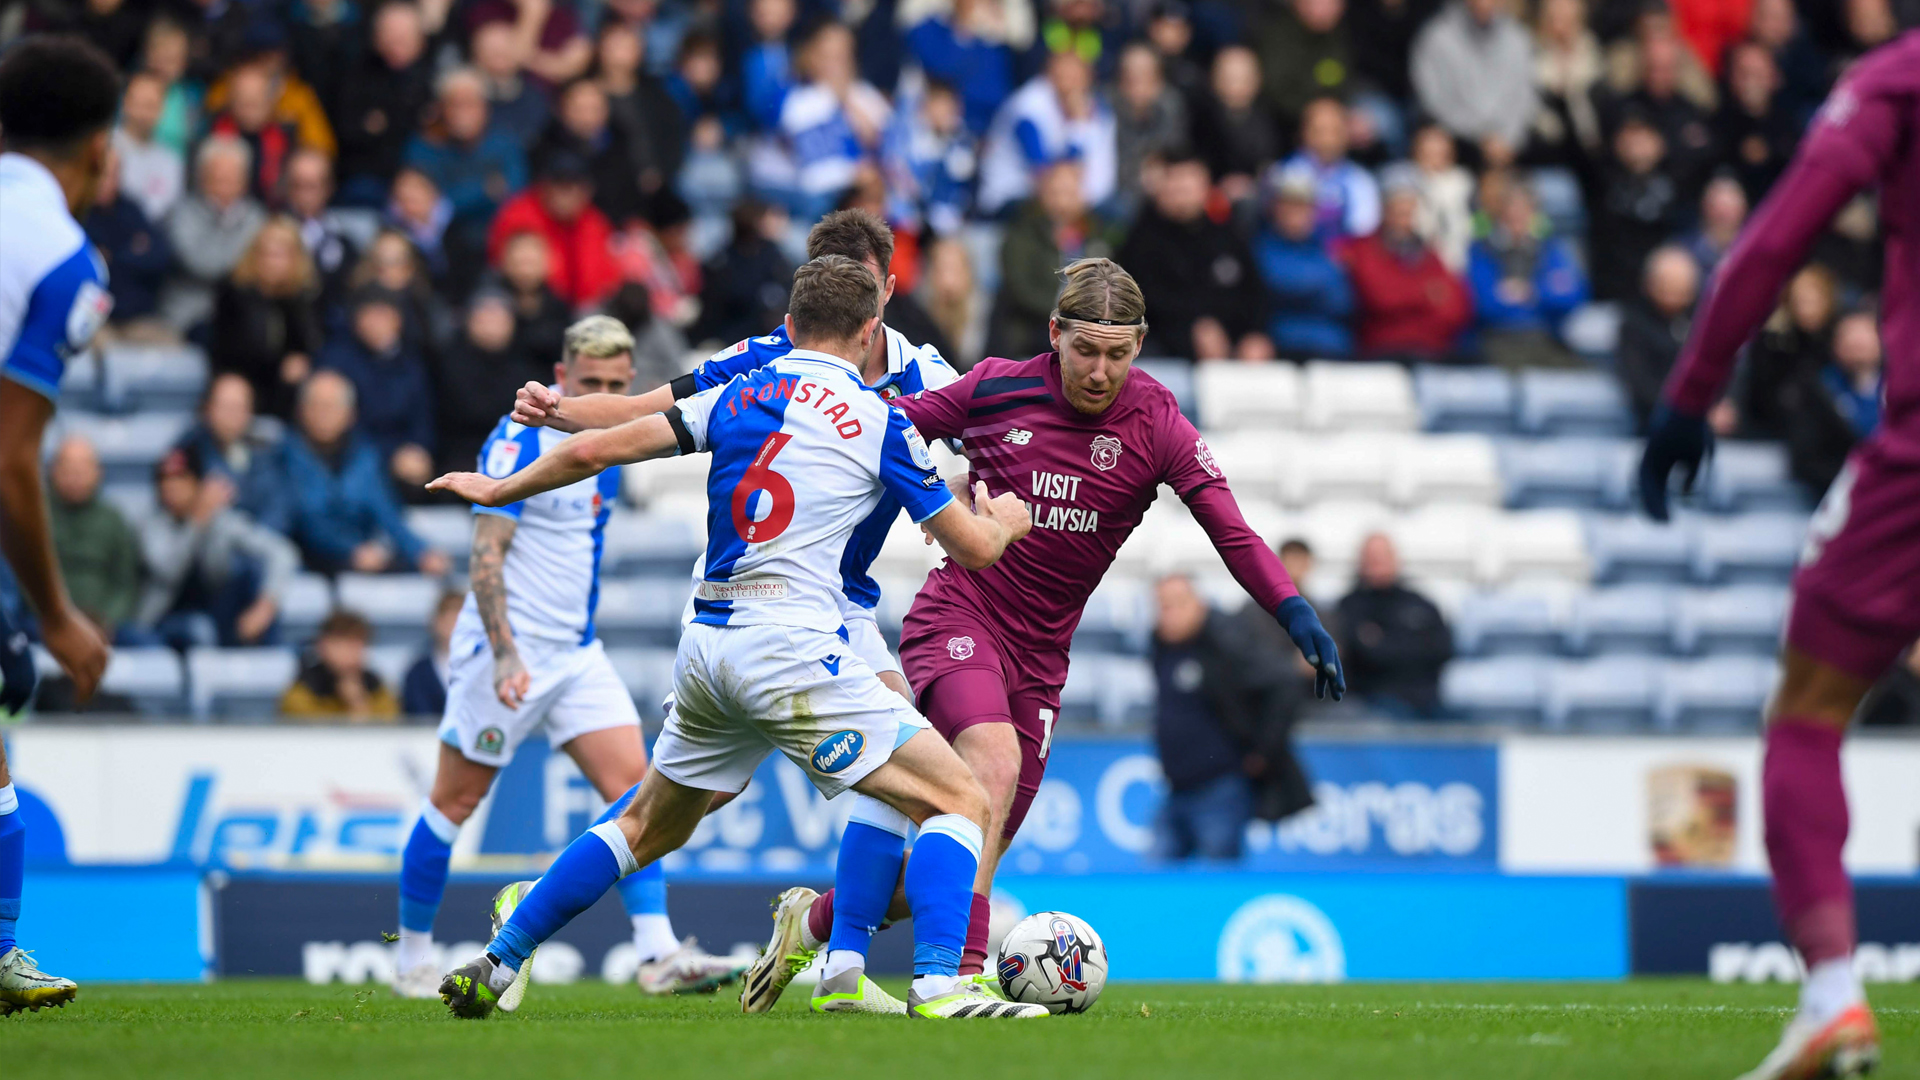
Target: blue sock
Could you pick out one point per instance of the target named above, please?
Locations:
(940, 891)
(423, 868)
(582, 874)
(868, 869)
(644, 892)
(13, 864)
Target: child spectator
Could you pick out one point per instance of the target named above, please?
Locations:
(1308, 296)
(1349, 197)
(334, 683)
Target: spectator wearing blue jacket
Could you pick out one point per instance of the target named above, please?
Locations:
(766, 67)
(1525, 282)
(391, 381)
(1309, 298)
(136, 251)
(967, 50)
(831, 122)
(929, 160)
(476, 166)
(245, 450)
(345, 515)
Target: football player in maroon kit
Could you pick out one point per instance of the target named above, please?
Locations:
(1086, 441)
(1856, 595)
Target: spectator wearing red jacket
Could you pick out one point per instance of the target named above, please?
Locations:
(1410, 306)
(560, 208)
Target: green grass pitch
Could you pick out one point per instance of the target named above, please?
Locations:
(1620, 1031)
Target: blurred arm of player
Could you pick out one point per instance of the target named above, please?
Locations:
(539, 405)
(27, 540)
(976, 538)
(492, 535)
(580, 456)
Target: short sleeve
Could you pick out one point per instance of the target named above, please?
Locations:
(694, 427)
(509, 449)
(1186, 464)
(740, 358)
(62, 314)
(907, 472)
(941, 413)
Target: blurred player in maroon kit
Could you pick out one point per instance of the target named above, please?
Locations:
(1086, 442)
(1856, 596)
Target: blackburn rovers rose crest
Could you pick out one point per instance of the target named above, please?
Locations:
(1106, 452)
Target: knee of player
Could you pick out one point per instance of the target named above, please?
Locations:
(969, 800)
(458, 806)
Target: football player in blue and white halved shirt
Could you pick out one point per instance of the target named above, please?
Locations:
(524, 657)
(58, 97)
(802, 451)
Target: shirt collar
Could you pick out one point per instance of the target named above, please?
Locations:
(826, 358)
(34, 179)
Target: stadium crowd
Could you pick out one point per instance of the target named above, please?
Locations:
(376, 219)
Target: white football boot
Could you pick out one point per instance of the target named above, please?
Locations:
(23, 986)
(421, 982)
(689, 969)
(786, 955)
(852, 992)
(1846, 1045)
(969, 1002)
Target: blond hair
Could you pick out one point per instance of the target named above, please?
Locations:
(246, 272)
(1100, 291)
(596, 337)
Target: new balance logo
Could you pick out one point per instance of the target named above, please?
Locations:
(832, 664)
(1018, 436)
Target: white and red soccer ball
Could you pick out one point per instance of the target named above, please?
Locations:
(1054, 959)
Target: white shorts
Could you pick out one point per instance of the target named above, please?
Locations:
(742, 691)
(574, 690)
(865, 637)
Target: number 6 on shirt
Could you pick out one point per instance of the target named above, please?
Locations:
(761, 477)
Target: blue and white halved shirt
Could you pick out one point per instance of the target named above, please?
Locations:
(53, 285)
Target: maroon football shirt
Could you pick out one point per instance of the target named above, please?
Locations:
(1087, 480)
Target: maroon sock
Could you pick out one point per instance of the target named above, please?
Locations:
(973, 960)
(1806, 826)
(820, 917)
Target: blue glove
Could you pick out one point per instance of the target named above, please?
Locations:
(17, 675)
(1673, 439)
(1303, 626)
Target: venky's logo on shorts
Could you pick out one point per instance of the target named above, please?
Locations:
(490, 741)
(837, 751)
(1106, 452)
(960, 648)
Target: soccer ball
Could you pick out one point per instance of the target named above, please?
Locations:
(1054, 959)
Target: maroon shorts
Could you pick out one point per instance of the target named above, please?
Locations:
(964, 674)
(1856, 596)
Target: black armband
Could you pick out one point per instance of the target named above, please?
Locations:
(685, 386)
(680, 433)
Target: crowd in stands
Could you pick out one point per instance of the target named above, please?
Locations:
(376, 217)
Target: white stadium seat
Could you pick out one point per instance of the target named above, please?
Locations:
(1358, 396)
(1445, 468)
(1734, 619)
(128, 445)
(1569, 472)
(1539, 544)
(306, 603)
(648, 674)
(643, 611)
(398, 605)
(1573, 403)
(1746, 476)
(1759, 547)
(1347, 466)
(1254, 461)
(239, 683)
(1626, 619)
(1721, 694)
(1610, 693)
(1464, 398)
(390, 663)
(1445, 540)
(1335, 528)
(638, 543)
(448, 528)
(1508, 622)
(1264, 397)
(1632, 548)
(150, 677)
(1503, 690)
(647, 480)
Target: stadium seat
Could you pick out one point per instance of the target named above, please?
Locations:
(1504, 690)
(648, 674)
(1349, 466)
(390, 663)
(128, 445)
(1734, 619)
(1593, 330)
(398, 605)
(1464, 398)
(239, 684)
(1254, 461)
(1177, 377)
(143, 377)
(1174, 543)
(1118, 617)
(645, 481)
(305, 604)
(1080, 697)
(448, 528)
(1749, 548)
(1126, 694)
(1631, 548)
(644, 611)
(1612, 693)
(1568, 473)
(1261, 396)
(1573, 403)
(151, 678)
(1335, 528)
(1721, 694)
(1508, 622)
(1449, 594)
(1444, 540)
(1628, 619)
(651, 544)
(1532, 544)
(1748, 476)
(1445, 469)
(1354, 396)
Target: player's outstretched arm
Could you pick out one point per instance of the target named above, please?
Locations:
(575, 459)
(27, 540)
(976, 538)
(539, 405)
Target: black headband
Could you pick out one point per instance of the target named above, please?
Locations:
(1138, 320)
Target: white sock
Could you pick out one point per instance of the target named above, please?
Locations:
(653, 937)
(1830, 988)
(841, 961)
(932, 986)
(416, 948)
(502, 978)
